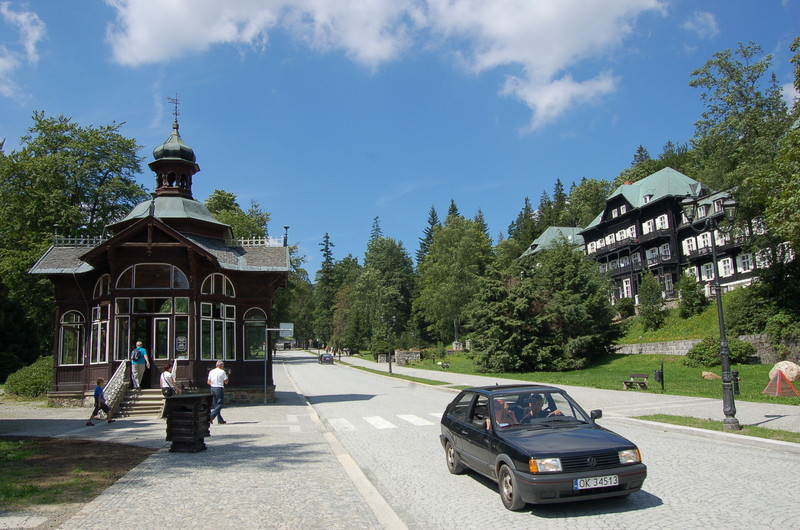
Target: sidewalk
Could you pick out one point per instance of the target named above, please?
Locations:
(270, 466)
(625, 403)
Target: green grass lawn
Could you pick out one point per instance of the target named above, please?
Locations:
(610, 371)
(675, 328)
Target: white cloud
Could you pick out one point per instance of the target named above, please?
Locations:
(544, 40)
(790, 94)
(31, 30)
(703, 24)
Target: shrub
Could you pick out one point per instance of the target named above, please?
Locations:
(652, 308)
(706, 352)
(692, 300)
(32, 381)
(783, 329)
(625, 307)
(748, 309)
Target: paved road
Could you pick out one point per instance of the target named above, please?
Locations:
(374, 461)
(391, 429)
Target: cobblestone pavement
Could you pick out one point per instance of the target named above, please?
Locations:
(270, 466)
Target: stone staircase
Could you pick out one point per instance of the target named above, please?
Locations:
(143, 402)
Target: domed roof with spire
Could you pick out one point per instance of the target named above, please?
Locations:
(174, 148)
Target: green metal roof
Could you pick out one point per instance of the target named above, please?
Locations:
(552, 234)
(167, 207)
(664, 183)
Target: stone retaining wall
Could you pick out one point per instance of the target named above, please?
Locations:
(764, 350)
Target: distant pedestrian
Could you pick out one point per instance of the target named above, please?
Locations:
(100, 403)
(139, 361)
(217, 379)
(168, 386)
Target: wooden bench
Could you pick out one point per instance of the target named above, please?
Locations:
(636, 381)
(444, 364)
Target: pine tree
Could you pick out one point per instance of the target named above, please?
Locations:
(453, 210)
(427, 235)
(376, 231)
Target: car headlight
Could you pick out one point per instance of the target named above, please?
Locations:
(630, 456)
(544, 465)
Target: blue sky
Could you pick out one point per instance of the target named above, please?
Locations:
(329, 113)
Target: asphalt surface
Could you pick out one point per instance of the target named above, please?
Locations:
(277, 466)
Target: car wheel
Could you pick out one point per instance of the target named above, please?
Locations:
(509, 494)
(454, 464)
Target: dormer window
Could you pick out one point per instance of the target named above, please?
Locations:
(623, 209)
(702, 211)
(614, 213)
(646, 199)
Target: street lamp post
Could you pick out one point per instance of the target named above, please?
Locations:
(689, 205)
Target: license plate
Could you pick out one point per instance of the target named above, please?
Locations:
(595, 482)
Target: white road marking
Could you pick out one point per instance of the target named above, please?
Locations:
(379, 423)
(342, 425)
(414, 420)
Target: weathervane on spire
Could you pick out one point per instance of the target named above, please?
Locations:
(175, 102)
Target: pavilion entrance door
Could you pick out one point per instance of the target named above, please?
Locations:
(154, 332)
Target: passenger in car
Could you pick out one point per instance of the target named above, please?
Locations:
(503, 416)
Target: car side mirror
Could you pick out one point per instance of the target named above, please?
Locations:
(596, 414)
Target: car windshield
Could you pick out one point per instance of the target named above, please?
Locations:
(542, 409)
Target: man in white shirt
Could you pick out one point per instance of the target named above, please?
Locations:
(217, 379)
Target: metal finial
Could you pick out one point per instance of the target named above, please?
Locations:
(174, 101)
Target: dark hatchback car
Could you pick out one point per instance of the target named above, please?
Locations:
(539, 445)
(326, 358)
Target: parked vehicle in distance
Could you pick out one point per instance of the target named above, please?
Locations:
(539, 445)
(326, 358)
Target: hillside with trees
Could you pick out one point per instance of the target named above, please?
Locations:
(547, 311)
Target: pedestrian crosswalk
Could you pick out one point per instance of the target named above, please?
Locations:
(380, 423)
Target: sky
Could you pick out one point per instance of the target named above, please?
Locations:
(330, 113)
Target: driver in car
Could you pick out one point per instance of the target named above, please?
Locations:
(534, 409)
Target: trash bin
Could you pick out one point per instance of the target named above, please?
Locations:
(188, 422)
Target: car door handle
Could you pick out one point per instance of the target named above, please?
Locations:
(464, 431)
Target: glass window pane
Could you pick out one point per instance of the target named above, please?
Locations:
(152, 305)
(230, 341)
(154, 276)
(70, 345)
(219, 339)
(123, 306)
(230, 312)
(255, 347)
(125, 280)
(161, 339)
(206, 289)
(181, 337)
(181, 304)
(123, 338)
(255, 314)
(205, 309)
(179, 280)
(205, 339)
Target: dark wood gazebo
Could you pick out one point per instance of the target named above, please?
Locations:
(171, 276)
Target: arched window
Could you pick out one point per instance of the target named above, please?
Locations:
(102, 287)
(255, 334)
(152, 276)
(219, 284)
(70, 341)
